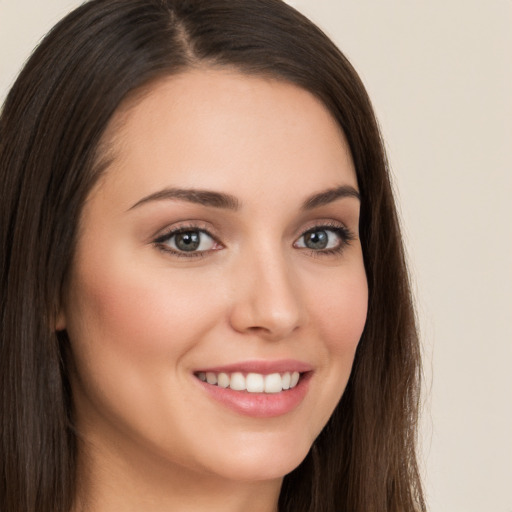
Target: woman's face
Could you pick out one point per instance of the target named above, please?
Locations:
(221, 243)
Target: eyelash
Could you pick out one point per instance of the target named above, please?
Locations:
(165, 237)
(345, 235)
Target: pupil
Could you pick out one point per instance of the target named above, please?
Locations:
(317, 240)
(188, 241)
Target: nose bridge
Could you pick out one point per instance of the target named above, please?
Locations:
(267, 299)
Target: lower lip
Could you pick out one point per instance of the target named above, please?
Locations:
(259, 405)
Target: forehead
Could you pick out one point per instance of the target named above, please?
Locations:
(226, 130)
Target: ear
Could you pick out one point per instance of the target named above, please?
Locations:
(60, 320)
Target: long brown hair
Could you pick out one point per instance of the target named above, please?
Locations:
(51, 128)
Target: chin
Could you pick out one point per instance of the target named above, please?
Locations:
(257, 462)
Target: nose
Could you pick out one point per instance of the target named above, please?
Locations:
(266, 300)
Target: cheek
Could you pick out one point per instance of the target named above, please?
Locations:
(136, 310)
(341, 312)
(132, 326)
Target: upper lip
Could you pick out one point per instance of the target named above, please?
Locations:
(264, 367)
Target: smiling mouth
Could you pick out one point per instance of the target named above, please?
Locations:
(252, 382)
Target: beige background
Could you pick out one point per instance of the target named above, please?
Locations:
(440, 75)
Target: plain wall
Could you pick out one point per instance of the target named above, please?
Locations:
(440, 76)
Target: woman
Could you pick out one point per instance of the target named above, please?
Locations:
(204, 296)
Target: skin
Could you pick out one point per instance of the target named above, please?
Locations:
(142, 320)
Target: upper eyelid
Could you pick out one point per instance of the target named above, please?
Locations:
(327, 224)
(208, 229)
(184, 229)
(177, 228)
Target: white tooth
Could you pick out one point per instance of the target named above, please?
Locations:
(294, 379)
(223, 380)
(237, 381)
(211, 378)
(273, 383)
(254, 382)
(286, 378)
(201, 376)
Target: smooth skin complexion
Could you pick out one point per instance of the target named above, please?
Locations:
(222, 238)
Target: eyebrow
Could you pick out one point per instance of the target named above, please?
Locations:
(203, 197)
(230, 202)
(330, 195)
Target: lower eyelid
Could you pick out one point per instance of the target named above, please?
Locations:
(182, 254)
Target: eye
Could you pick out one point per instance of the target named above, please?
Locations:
(326, 239)
(183, 241)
